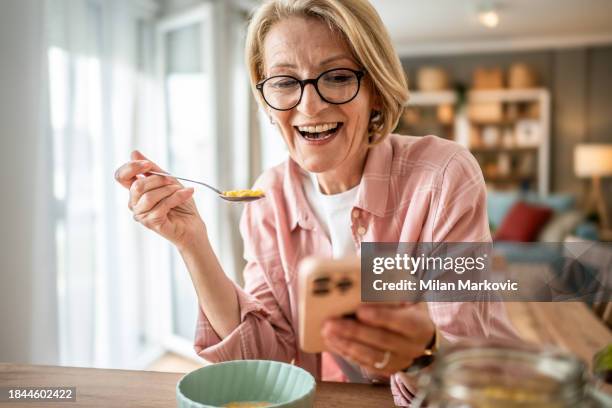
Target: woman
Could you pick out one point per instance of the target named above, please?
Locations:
(329, 79)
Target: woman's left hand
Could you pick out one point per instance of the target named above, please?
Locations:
(403, 329)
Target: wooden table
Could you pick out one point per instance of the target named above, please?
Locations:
(571, 326)
(125, 388)
(568, 325)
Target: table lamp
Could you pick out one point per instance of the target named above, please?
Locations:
(595, 161)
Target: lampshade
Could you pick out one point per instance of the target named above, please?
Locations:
(593, 160)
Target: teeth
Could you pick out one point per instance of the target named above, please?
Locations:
(318, 128)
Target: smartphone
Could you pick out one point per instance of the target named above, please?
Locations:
(326, 288)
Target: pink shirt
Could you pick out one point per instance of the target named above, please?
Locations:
(413, 189)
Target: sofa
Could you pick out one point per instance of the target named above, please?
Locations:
(549, 247)
(566, 218)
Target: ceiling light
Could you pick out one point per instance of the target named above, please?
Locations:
(488, 15)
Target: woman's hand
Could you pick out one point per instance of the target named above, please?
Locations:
(404, 330)
(160, 203)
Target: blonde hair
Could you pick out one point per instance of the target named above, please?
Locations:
(360, 25)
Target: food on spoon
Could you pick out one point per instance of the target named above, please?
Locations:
(243, 193)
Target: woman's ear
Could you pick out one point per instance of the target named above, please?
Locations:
(377, 105)
(375, 97)
(376, 100)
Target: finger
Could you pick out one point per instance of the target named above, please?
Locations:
(159, 213)
(361, 354)
(149, 199)
(137, 155)
(144, 184)
(382, 339)
(335, 346)
(126, 174)
(411, 321)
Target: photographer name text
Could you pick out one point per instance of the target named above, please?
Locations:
(440, 286)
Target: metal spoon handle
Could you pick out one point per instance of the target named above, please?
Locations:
(186, 179)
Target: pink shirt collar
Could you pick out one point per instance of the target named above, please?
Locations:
(371, 197)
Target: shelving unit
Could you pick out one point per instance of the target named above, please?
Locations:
(523, 163)
(432, 98)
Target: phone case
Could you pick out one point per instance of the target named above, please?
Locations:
(327, 288)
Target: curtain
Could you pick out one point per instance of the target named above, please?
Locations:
(27, 267)
(103, 104)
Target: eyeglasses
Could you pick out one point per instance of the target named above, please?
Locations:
(336, 86)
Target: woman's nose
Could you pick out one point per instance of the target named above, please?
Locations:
(311, 103)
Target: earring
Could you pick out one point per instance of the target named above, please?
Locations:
(375, 116)
(272, 122)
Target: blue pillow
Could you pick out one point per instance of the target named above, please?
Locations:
(500, 202)
(558, 202)
(498, 205)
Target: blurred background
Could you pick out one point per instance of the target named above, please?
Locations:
(525, 85)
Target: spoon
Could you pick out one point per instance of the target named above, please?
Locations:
(219, 192)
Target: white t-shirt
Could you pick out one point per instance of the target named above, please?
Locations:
(334, 213)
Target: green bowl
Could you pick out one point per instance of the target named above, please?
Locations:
(216, 385)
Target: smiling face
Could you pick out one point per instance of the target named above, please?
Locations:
(305, 48)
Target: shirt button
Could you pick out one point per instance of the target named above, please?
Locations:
(355, 213)
(361, 230)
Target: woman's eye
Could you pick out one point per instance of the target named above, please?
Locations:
(338, 79)
(284, 83)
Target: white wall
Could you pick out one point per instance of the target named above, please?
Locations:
(27, 272)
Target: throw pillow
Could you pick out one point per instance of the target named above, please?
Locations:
(498, 205)
(523, 222)
(560, 226)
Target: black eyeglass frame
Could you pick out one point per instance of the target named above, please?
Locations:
(303, 82)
